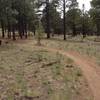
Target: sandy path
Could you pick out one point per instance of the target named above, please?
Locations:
(90, 70)
(88, 66)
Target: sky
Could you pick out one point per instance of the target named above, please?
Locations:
(86, 2)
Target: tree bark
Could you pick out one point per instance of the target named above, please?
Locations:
(98, 28)
(3, 30)
(9, 30)
(19, 26)
(64, 19)
(13, 31)
(47, 19)
(26, 30)
(74, 29)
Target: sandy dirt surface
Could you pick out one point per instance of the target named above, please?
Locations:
(90, 69)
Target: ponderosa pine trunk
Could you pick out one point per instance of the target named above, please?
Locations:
(74, 29)
(64, 19)
(25, 28)
(47, 19)
(19, 26)
(98, 29)
(3, 29)
(13, 31)
(9, 30)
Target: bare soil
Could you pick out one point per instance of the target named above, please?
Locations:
(88, 65)
(90, 69)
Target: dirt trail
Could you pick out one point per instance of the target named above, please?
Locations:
(88, 66)
(90, 70)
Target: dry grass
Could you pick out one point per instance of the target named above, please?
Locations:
(89, 48)
(27, 74)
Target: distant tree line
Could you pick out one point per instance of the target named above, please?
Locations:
(18, 17)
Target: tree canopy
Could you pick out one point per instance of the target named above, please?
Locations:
(18, 17)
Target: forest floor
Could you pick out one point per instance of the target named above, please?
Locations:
(89, 66)
(55, 71)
